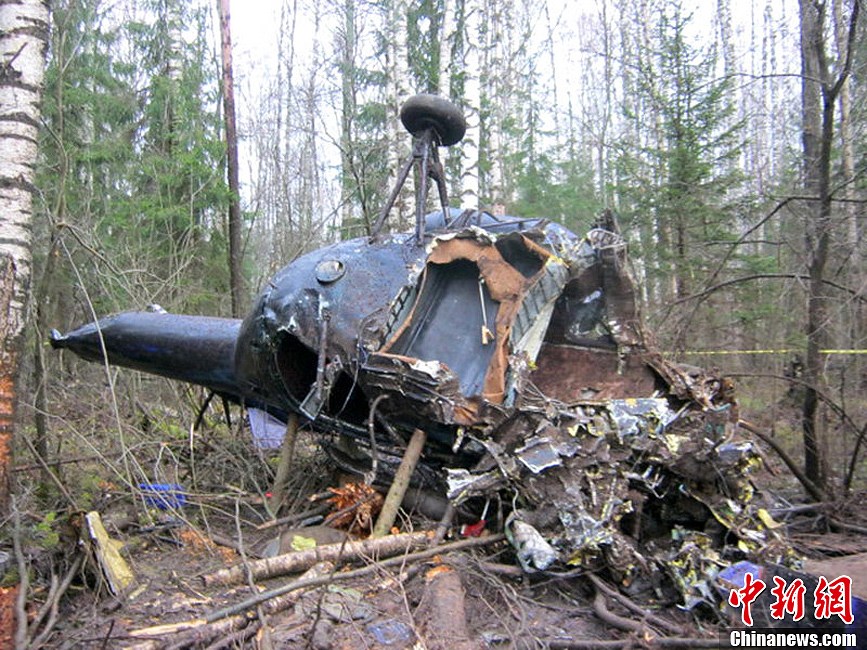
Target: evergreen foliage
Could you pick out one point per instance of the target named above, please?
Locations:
(132, 152)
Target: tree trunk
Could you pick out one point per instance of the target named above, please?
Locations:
(23, 41)
(857, 323)
(469, 23)
(811, 115)
(348, 44)
(820, 93)
(236, 274)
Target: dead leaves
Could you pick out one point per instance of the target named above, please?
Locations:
(354, 507)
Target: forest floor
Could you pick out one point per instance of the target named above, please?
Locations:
(463, 592)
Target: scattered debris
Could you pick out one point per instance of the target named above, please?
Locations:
(164, 496)
(390, 632)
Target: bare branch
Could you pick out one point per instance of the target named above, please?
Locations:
(856, 295)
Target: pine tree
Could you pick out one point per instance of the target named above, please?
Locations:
(682, 203)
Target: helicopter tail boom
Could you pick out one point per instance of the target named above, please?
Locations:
(196, 349)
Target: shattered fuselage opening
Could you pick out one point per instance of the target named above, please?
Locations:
(445, 327)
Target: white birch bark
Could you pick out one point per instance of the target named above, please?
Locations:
(472, 102)
(23, 40)
(23, 34)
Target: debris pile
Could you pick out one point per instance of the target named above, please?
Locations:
(634, 485)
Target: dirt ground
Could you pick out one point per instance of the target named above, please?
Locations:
(468, 598)
(475, 598)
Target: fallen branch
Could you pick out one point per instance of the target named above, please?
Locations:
(237, 639)
(228, 542)
(287, 454)
(52, 603)
(295, 518)
(506, 570)
(54, 463)
(849, 528)
(649, 617)
(303, 582)
(811, 487)
(444, 524)
(600, 608)
(199, 631)
(399, 484)
(301, 560)
(799, 509)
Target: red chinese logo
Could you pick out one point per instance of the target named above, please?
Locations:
(745, 596)
(830, 598)
(788, 600)
(834, 598)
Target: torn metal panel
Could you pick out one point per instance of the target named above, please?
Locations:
(481, 300)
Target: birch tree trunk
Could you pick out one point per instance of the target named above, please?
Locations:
(469, 150)
(23, 41)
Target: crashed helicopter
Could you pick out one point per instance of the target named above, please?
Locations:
(518, 347)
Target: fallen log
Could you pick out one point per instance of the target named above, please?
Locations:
(301, 560)
(198, 631)
(443, 611)
(304, 583)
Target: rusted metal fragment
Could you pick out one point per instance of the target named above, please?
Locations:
(592, 374)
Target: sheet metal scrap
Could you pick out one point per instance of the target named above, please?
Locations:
(637, 486)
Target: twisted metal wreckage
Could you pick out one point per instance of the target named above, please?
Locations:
(518, 347)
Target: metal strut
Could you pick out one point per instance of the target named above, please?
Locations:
(434, 122)
(426, 157)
